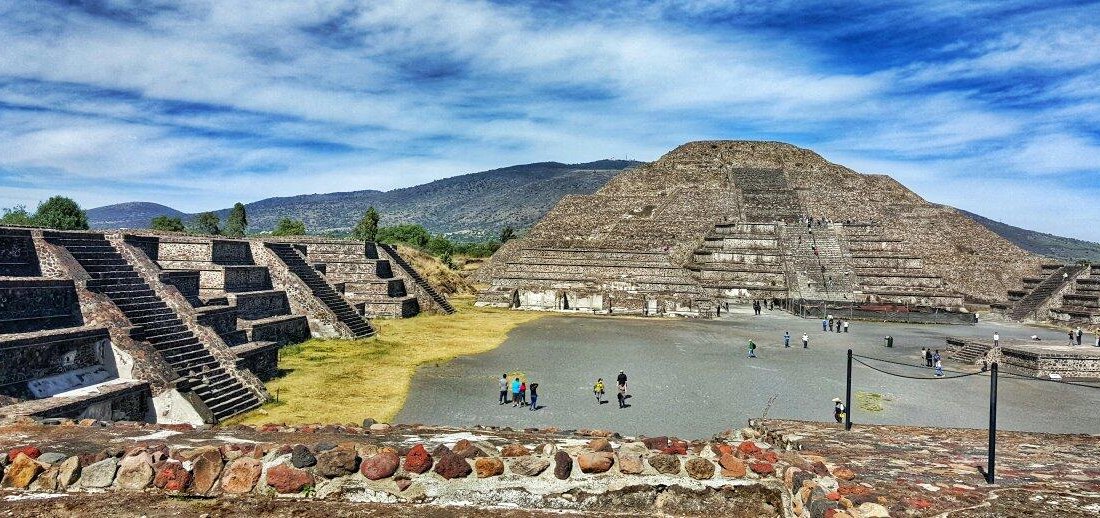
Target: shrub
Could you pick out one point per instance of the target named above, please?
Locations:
(166, 223)
(207, 223)
(289, 227)
(61, 213)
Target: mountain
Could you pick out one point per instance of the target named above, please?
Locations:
(468, 207)
(134, 214)
(1062, 248)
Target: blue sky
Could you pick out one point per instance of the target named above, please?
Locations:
(989, 106)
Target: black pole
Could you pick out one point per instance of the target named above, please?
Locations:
(848, 396)
(992, 461)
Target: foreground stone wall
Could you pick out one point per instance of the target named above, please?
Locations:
(771, 468)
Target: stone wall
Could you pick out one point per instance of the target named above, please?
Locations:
(18, 257)
(259, 358)
(38, 304)
(35, 363)
(282, 330)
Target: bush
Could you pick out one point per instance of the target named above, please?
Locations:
(289, 227)
(412, 235)
(17, 215)
(167, 224)
(61, 213)
(207, 223)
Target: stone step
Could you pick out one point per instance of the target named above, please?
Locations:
(159, 337)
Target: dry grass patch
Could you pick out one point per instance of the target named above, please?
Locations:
(345, 381)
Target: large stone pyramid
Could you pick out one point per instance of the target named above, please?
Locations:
(714, 222)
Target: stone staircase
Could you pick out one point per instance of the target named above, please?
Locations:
(819, 264)
(411, 272)
(967, 351)
(321, 289)
(766, 196)
(156, 323)
(1050, 285)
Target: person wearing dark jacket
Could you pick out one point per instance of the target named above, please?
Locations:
(534, 389)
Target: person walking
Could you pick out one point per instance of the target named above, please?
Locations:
(515, 392)
(838, 410)
(597, 389)
(824, 324)
(1078, 335)
(622, 378)
(787, 339)
(928, 358)
(838, 325)
(996, 339)
(845, 326)
(523, 393)
(622, 395)
(805, 341)
(939, 365)
(534, 396)
(752, 349)
(936, 358)
(503, 388)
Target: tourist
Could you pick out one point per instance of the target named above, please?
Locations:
(1036, 338)
(805, 341)
(936, 357)
(621, 378)
(838, 410)
(534, 396)
(824, 324)
(1070, 337)
(622, 395)
(503, 388)
(838, 325)
(1078, 335)
(939, 365)
(787, 339)
(924, 355)
(523, 394)
(928, 357)
(752, 349)
(597, 389)
(515, 392)
(996, 339)
(845, 326)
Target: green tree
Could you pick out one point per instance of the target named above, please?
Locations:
(17, 215)
(208, 223)
(367, 227)
(507, 234)
(237, 221)
(439, 245)
(413, 235)
(166, 223)
(61, 213)
(289, 227)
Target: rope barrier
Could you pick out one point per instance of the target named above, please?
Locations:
(912, 377)
(962, 373)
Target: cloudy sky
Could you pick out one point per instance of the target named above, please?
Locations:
(992, 107)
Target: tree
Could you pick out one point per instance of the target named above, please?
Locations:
(61, 213)
(289, 227)
(237, 221)
(207, 223)
(367, 228)
(166, 223)
(506, 235)
(17, 215)
(439, 245)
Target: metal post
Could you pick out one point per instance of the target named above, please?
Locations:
(992, 461)
(848, 396)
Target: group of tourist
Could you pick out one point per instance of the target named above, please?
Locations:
(1075, 336)
(933, 360)
(829, 323)
(518, 390)
(621, 395)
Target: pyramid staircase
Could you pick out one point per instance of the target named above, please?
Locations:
(439, 299)
(156, 323)
(322, 290)
(1050, 285)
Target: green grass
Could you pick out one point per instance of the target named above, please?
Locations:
(345, 381)
(871, 401)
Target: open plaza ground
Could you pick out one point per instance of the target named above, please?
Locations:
(693, 378)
